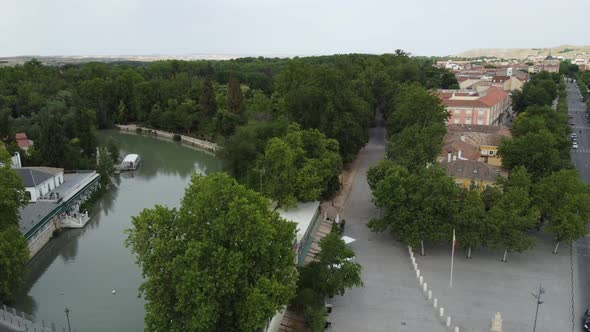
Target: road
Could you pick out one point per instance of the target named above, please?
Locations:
(391, 299)
(581, 159)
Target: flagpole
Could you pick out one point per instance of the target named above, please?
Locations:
(452, 259)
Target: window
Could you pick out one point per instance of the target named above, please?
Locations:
(484, 152)
(468, 113)
(492, 152)
(479, 121)
(480, 112)
(456, 121)
(457, 112)
(467, 121)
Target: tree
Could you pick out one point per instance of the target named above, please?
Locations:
(331, 273)
(303, 165)
(207, 101)
(418, 206)
(537, 151)
(84, 124)
(6, 130)
(104, 167)
(221, 262)
(234, 96)
(564, 202)
(14, 255)
(334, 269)
(414, 105)
(470, 221)
(121, 113)
(417, 145)
(12, 193)
(113, 149)
(512, 215)
(14, 252)
(51, 142)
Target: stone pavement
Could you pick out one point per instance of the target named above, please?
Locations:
(391, 299)
(484, 285)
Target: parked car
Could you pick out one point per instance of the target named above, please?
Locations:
(571, 123)
(575, 145)
(574, 135)
(571, 116)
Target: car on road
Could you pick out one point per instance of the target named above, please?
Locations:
(571, 123)
(575, 145)
(586, 321)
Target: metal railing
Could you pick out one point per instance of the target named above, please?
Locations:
(19, 321)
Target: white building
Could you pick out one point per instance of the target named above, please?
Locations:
(39, 181)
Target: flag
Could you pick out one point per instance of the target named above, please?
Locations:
(452, 258)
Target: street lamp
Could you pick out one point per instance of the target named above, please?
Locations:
(68, 318)
(539, 302)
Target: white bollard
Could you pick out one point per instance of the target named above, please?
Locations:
(417, 273)
(442, 312)
(429, 295)
(435, 303)
(415, 266)
(456, 328)
(421, 280)
(413, 260)
(425, 287)
(410, 250)
(448, 321)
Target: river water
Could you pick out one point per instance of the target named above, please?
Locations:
(80, 268)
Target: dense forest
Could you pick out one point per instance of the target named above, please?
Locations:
(241, 104)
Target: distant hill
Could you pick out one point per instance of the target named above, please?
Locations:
(567, 51)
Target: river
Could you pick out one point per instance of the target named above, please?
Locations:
(80, 268)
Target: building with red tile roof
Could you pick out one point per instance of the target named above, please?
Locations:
(23, 141)
(468, 107)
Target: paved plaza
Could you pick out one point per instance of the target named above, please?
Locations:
(485, 285)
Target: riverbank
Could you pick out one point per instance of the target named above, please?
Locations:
(191, 141)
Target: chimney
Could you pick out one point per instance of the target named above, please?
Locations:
(460, 155)
(449, 157)
(454, 157)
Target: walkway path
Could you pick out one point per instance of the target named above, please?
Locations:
(390, 300)
(195, 142)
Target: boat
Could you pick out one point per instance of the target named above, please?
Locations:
(130, 162)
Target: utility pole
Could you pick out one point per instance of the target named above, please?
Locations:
(539, 302)
(68, 318)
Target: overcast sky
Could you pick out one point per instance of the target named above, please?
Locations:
(287, 27)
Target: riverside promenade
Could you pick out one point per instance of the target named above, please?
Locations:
(391, 299)
(195, 142)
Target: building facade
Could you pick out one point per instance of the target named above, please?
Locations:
(484, 108)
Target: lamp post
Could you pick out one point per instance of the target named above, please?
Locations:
(68, 319)
(539, 302)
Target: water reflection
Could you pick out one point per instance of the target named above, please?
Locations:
(81, 267)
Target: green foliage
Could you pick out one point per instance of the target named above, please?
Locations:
(414, 105)
(14, 255)
(538, 151)
(6, 130)
(113, 149)
(221, 262)
(568, 68)
(104, 167)
(513, 214)
(564, 201)
(300, 166)
(331, 273)
(470, 221)
(14, 252)
(418, 206)
(12, 193)
(540, 90)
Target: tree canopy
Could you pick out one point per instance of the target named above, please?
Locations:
(222, 261)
